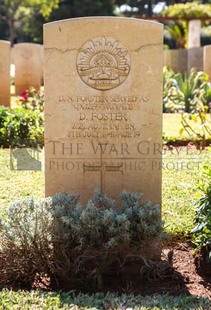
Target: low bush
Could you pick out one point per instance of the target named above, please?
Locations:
(21, 127)
(74, 245)
(25, 242)
(202, 229)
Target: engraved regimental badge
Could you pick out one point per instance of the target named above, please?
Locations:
(103, 63)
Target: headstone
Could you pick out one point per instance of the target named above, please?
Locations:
(28, 66)
(5, 73)
(207, 60)
(42, 65)
(103, 106)
(195, 58)
(194, 27)
(176, 59)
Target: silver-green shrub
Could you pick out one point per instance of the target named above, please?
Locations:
(26, 241)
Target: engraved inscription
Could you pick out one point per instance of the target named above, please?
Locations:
(103, 63)
(105, 116)
(26, 54)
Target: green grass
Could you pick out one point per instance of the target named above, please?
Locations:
(38, 300)
(18, 184)
(179, 187)
(172, 125)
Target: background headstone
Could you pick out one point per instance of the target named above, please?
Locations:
(5, 73)
(194, 28)
(28, 66)
(103, 106)
(195, 58)
(42, 65)
(207, 60)
(176, 59)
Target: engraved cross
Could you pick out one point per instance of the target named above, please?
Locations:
(102, 168)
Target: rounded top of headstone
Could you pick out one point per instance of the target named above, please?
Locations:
(100, 18)
(5, 42)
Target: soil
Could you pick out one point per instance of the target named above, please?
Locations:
(180, 272)
(184, 274)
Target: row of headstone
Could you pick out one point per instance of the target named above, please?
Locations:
(183, 60)
(28, 61)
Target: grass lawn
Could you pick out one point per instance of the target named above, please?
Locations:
(181, 170)
(38, 300)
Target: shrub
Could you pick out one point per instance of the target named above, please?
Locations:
(4, 112)
(57, 237)
(25, 246)
(178, 32)
(21, 127)
(202, 229)
(171, 94)
(185, 93)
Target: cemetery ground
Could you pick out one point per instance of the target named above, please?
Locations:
(178, 284)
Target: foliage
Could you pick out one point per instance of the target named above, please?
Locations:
(186, 92)
(179, 32)
(88, 241)
(40, 300)
(202, 229)
(56, 236)
(4, 112)
(13, 10)
(171, 95)
(188, 10)
(21, 127)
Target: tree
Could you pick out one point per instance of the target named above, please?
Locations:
(188, 11)
(12, 10)
(76, 8)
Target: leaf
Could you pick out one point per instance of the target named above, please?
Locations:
(193, 117)
(181, 131)
(198, 228)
